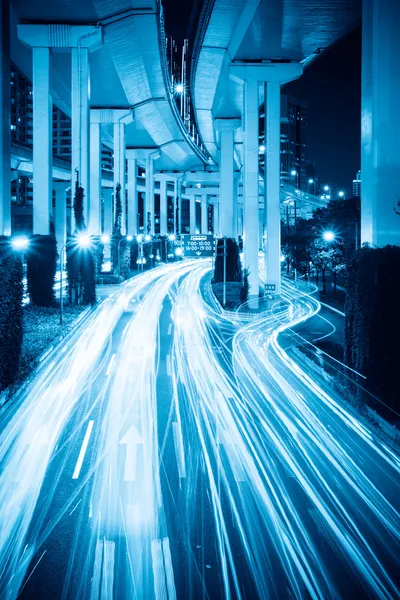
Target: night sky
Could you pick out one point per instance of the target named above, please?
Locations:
(331, 86)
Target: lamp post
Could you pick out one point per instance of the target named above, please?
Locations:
(295, 173)
(83, 241)
(311, 181)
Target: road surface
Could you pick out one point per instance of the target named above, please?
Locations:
(169, 450)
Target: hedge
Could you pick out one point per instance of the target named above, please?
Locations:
(41, 259)
(11, 327)
(372, 326)
(81, 273)
(233, 264)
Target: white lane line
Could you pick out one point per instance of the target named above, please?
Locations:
(83, 450)
(160, 590)
(107, 582)
(168, 359)
(178, 443)
(169, 571)
(74, 509)
(169, 329)
(110, 365)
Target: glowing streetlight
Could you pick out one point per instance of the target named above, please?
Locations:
(328, 197)
(139, 238)
(105, 238)
(83, 240)
(171, 237)
(147, 237)
(341, 194)
(179, 88)
(20, 243)
(129, 238)
(178, 252)
(326, 188)
(328, 236)
(311, 181)
(293, 173)
(262, 149)
(283, 258)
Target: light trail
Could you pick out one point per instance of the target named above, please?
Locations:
(311, 501)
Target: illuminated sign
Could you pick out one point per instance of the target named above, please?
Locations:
(198, 245)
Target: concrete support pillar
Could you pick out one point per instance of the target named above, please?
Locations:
(216, 227)
(42, 141)
(119, 167)
(60, 220)
(380, 123)
(5, 123)
(235, 207)
(192, 214)
(93, 218)
(272, 184)
(163, 207)
(149, 201)
(107, 210)
(227, 128)
(204, 214)
(80, 101)
(250, 74)
(132, 227)
(250, 185)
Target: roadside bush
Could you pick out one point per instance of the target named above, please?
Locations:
(41, 261)
(81, 273)
(372, 326)
(125, 259)
(233, 264)
(11, 294)
(244, 292)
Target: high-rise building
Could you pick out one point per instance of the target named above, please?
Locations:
(357, 184)
(21, 108)
(294, 121)
(62, 134)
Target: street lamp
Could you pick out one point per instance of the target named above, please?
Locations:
(341, 194)
(294, 173)
(326, 188)
(311, 181)
(20, 243)
(329, 236)
(179, 88)
(83, 241)
(262, 149)
(105, 238)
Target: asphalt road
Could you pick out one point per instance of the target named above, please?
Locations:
(170, 451)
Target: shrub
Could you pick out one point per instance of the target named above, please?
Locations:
(125, 259)
(233, 264)
(11, 295)
(81, 273)
(134, 247)
(78, 206)
(118, 211)
(41, 269)
(372, 326)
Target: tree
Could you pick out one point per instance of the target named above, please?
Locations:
(118, 211)
(148, 226)
(321, 257)
(233, 264)
(11, 314)
(78, 206)
(41, 260)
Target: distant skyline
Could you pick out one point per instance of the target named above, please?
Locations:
(332, 88)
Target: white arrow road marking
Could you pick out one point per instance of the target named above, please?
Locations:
(131, 440)
(224, 439)
(179, 451)
(82, 453)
